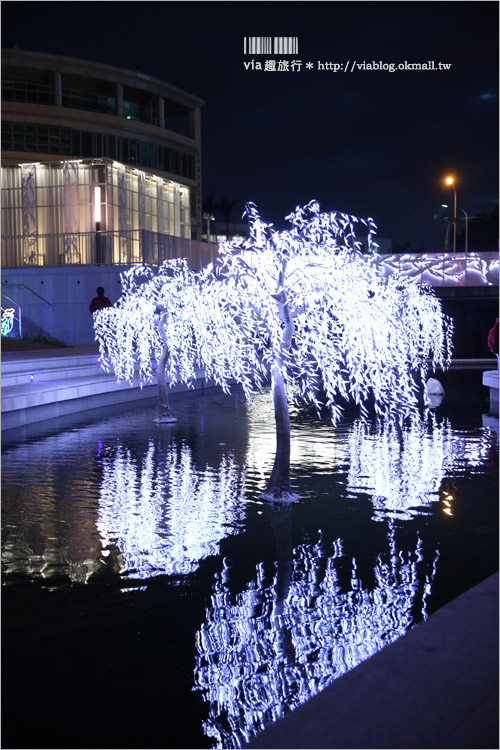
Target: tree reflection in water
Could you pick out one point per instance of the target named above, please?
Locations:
(271, 647)
(403, 468)
(162, 515)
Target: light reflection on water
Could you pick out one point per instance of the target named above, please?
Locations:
(403, 470)
(271, 647)
(162, 515)
(302, 593)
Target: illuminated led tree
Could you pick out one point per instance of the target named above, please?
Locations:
(301, 308)
(168, 319)
(325, 326)
(139, 330)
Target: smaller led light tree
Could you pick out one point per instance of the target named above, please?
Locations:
(324, 326)
(171, 319)
(140, 329)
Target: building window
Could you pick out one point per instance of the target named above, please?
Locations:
(43, 139)
(137, 104)
(28, 85)
(80, 92)
(38, 139)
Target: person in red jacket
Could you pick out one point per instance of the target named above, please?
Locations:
(493, 338)
(99, 302)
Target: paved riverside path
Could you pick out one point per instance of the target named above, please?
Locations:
(42, 384)
(435, 687)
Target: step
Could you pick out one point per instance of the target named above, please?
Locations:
(38, 373)
(47, 368)
(38, 392)
(36, 401)
(48, 362)
(490, 380)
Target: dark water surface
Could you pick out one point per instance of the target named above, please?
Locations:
(150, 600)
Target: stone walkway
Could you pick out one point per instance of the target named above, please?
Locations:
(436, 687)
(44, 384)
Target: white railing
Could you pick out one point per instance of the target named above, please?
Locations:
(102, 248)
(442, 269)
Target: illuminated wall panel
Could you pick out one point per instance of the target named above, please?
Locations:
(49, 216)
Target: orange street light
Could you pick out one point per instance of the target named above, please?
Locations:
(451, 181)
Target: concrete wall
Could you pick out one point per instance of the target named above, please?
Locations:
(68, 290)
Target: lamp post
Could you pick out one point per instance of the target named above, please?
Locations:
(466, 231)
(467, 219)
(209, 218)
(451, 181)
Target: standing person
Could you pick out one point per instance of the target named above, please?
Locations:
(493, 338)
(99, 302)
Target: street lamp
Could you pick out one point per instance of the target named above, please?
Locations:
(467, 219)
(451, 181)
(209, 218)
(466, 232)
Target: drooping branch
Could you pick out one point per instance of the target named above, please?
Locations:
(300, 308)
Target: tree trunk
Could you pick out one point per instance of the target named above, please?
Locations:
(281, 521)
(164, 413)
(278, 487)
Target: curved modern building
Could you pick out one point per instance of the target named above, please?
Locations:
(101, 169)
(76, 133)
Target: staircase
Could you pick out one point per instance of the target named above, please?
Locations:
(43, 384)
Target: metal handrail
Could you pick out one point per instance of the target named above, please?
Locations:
(23, 286)
(10, 299)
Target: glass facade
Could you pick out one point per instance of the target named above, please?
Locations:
(38, 86)
(50, 216)
(138, 105)
(28, 85)
(45, 139)
(62, 108)
(81, 92)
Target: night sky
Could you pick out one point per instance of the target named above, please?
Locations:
(370, 143)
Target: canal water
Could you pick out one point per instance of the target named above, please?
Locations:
(151, 599)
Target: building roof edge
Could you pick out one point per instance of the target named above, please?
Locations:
(54, 59)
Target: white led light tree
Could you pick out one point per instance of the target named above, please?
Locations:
(325, 325)
(301, 308)
(169, 318)
(143, 328)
